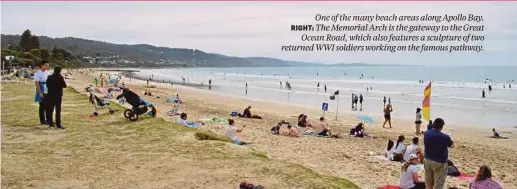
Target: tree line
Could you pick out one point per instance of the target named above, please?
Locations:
(28, 53)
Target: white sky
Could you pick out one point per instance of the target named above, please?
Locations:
(253, 28)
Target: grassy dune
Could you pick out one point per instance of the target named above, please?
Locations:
(111, 152)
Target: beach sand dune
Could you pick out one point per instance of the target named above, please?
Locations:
(346, 157)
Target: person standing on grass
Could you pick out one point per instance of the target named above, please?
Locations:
(40, 79)
(55, 84)
(436, 152)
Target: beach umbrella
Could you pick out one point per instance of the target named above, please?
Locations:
(365, 118)
(113, 81)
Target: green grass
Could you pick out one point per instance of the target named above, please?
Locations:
(112, 152)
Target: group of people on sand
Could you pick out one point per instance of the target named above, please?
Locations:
(435, 161)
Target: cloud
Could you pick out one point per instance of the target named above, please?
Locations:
(253, 28)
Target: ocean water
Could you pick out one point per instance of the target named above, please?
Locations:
(456, 91)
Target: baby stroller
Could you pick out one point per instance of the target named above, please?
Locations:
(99, 103)
(139, 106)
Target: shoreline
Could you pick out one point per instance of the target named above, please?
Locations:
(347, 157)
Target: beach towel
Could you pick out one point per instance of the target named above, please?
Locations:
(465, 176)
(307, 132)
(43, 88)
(389, 186)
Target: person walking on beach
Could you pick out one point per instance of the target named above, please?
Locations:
(353, 95)
(361, 101)
(483, 93)
(436, 152)
(96, 82)
(384, 101)
(246, 89)
(356, 100)
(40, 80)
(281, 85)
(318, 86)
(210, 84)
(325, 87)
(55, 84)
(418, 121)
(389, 101)
(387, 115)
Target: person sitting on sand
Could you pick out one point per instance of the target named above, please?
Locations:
(303, 121)
(247, 114)
(414, 149)
(276, 129)
(483, 180)
(409, 178)
(231, 132)
(183, 121)
(496, 135)
(291, 132)
(325, 128)
(109, 95)
(430, 125)
(400, 149)
(358, 131)
(146, 93)
(389, 150)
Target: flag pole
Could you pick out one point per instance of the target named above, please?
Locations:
(430, 93)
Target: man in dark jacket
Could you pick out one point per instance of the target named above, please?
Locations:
(55, 85)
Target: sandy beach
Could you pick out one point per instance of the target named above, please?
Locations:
(346, 157)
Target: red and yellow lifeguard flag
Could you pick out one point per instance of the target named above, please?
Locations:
(426, 104)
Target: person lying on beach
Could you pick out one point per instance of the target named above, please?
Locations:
(183, 121)
(291, 132)
(303, 121)
(496, 135)
(231, 132)
(325, 128)
(483, 180)
(409, 178)
(247, 114)
(400, 149)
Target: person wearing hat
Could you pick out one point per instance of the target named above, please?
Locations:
(409, 178)
(418, 121)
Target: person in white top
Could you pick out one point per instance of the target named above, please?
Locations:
(389, 150)
(231, 132)
(414, 149)
(400, 149)
(409, 178)
(418, 121)
(40, 79)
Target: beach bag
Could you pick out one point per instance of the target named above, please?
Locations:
(234, 113)
(452, 170)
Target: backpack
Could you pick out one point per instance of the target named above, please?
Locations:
(452, 170)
